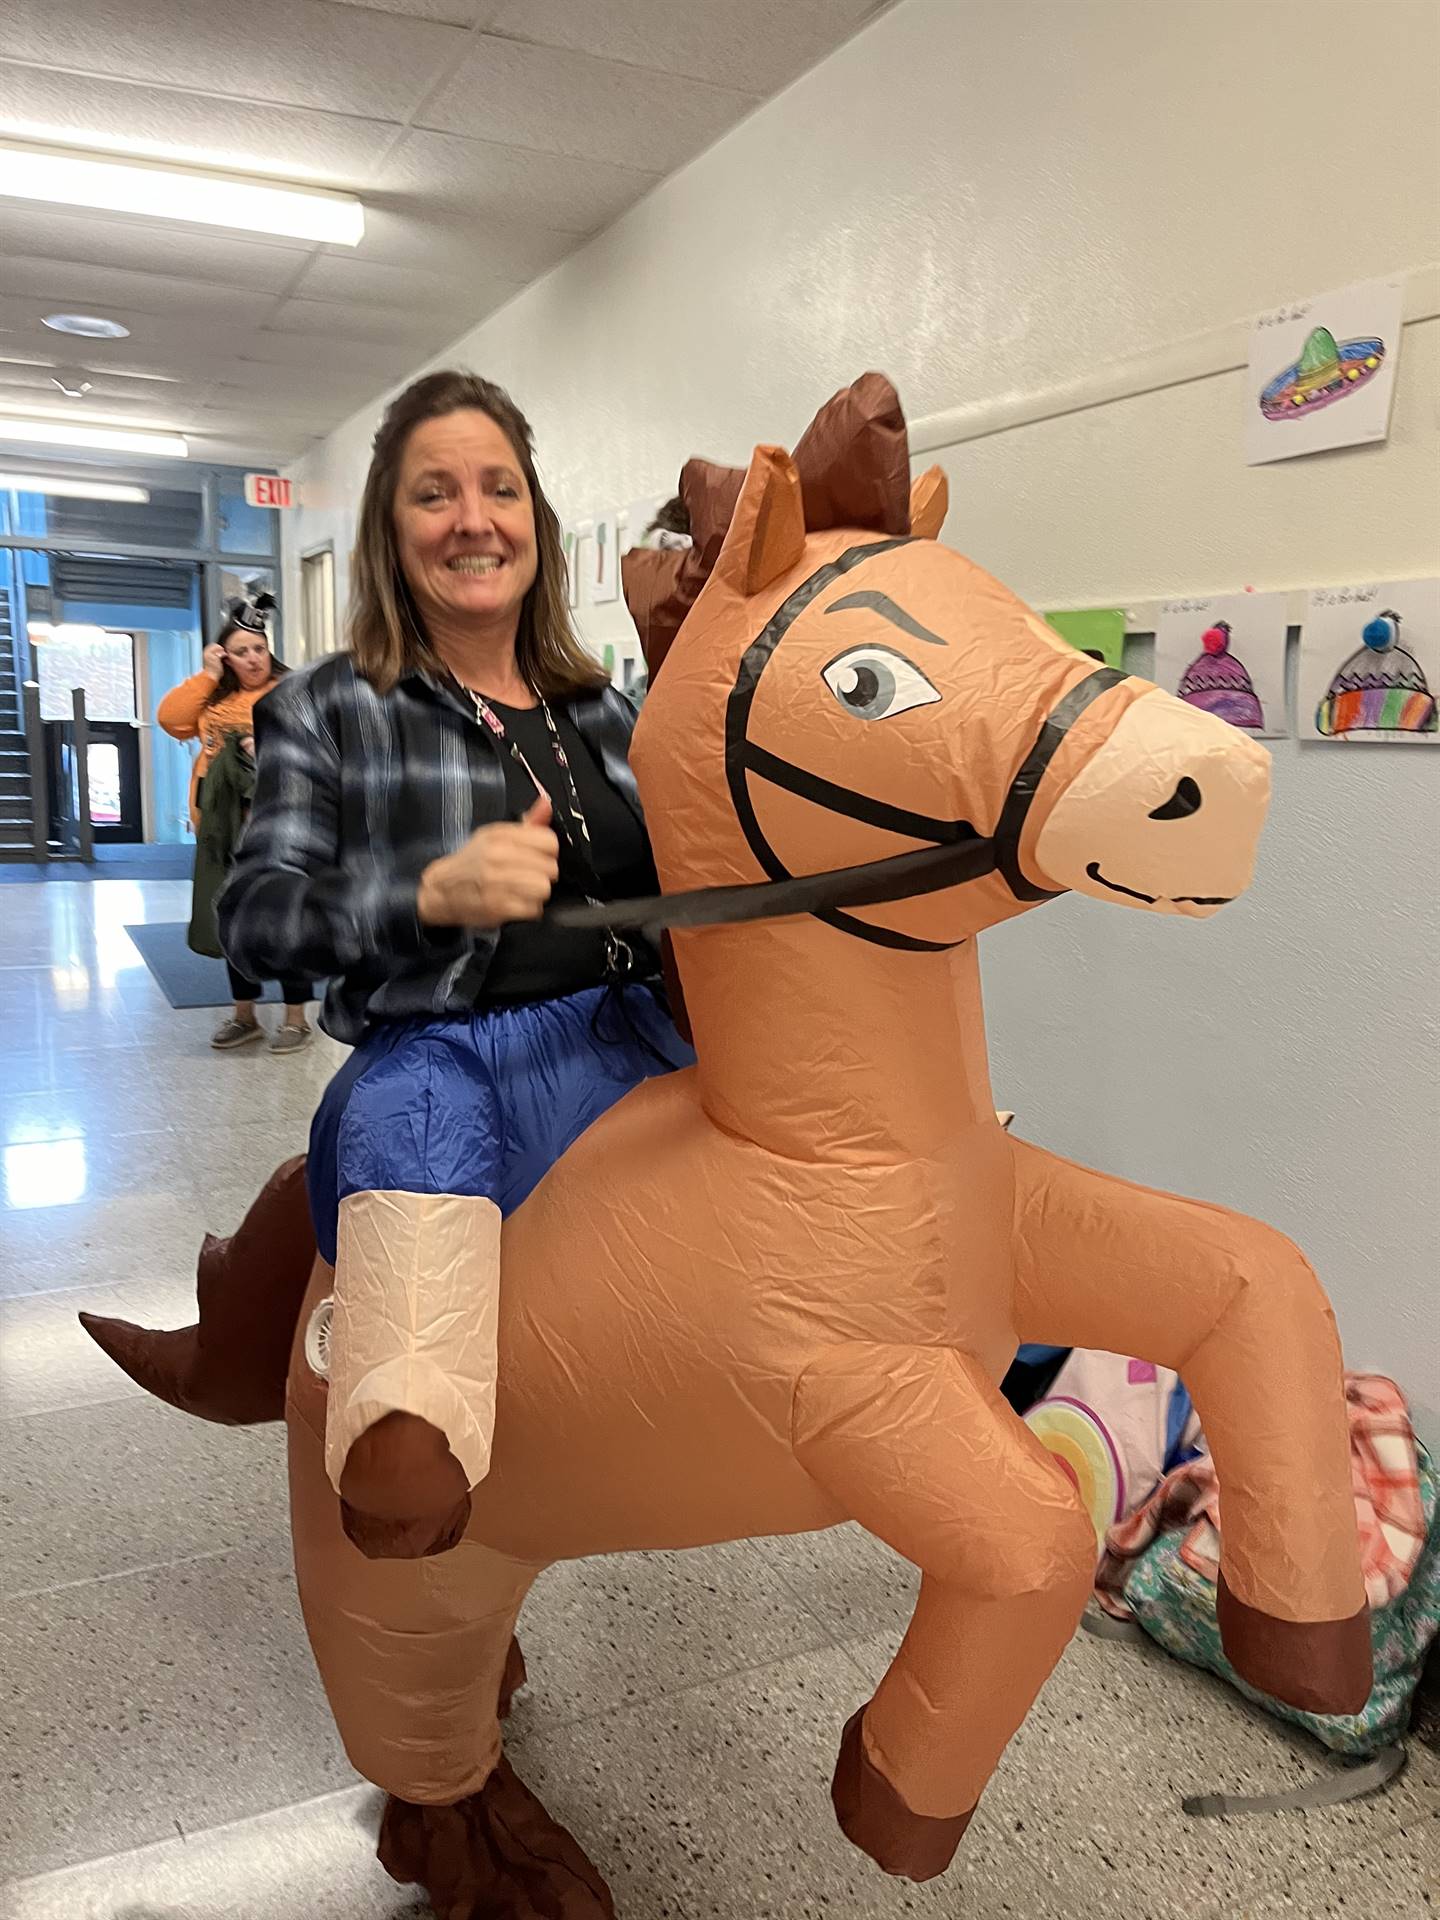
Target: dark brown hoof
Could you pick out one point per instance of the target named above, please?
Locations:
(912, 1846)
(231, 1367)
(1320, 1666)
(513, 1678)
(163, 1363)
(494, 1856)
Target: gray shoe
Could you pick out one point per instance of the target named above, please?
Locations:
(288, 1039)
(236, 1033)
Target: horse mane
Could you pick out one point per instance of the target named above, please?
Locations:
(854, 466)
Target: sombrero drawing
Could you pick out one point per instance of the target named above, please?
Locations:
(1324, 372)
(1380, 689)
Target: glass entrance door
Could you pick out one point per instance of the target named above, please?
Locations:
(126, 630)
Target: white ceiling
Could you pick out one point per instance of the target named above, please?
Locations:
(487, 139)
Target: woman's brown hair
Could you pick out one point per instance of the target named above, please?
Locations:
(387, 636)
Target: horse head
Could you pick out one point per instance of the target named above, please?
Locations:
(845, 696)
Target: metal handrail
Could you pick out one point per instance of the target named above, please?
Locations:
(35, 757)
(85, 827)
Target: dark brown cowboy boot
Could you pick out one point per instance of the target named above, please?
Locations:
(231, 1367)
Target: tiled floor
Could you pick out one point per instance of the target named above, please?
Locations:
(168, 1754)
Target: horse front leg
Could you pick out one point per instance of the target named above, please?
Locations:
(1235, 1309)
(919, 1446)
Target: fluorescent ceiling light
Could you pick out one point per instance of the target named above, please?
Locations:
(73, 489)
(54, 433)
(66, 178)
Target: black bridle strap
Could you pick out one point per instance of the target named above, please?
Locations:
(834, 798)
(904, 876)
(1026, 783)
(875, 883)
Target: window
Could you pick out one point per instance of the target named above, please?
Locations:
(317, 602)
(100, 662)
(239, 527)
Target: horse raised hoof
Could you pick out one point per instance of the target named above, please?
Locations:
(494, 1856)
(1323, 1666)
(912, 1846)
(231, 1366)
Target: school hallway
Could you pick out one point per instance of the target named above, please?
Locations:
(170, 1755)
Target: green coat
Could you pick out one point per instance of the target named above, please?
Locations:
(224, 796)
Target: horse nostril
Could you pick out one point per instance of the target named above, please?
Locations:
(1184, 801)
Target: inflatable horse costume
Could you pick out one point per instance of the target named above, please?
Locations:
(795, 1307)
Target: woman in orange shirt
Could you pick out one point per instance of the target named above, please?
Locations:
(211, 705)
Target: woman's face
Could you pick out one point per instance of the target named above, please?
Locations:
(249, 655)
(464, 523)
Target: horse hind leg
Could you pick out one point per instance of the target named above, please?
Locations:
(419, 1661)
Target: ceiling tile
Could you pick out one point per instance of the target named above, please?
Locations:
(415, 326)
(451, 13)
(481, 180)
(36, 384)
(560, 102)
(21, 314)
(320, 350)
(332, 276)
(302, 53)
(248, 450)
(259, 383)
(540, 123)
(478, 257)
(750, 44)
(139, 404)
(93, 412)
(272, 419)
(148, 246)
(192, 129)
(78, 287)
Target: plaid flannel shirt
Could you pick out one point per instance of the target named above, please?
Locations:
(357, 792)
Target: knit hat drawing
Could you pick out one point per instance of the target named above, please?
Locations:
(1220, 684)
(1380, 689)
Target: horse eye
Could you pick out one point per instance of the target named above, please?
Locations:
(1182, 803)
(875, 683)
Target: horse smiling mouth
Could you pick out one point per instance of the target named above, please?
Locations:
(1155, 899)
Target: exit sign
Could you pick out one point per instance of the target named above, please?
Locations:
(268, 490)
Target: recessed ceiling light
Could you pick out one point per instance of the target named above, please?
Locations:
(88, 326)
(53, 433)
(73, 489)
(71, 179)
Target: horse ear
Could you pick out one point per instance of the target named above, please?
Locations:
(767, 533)
(929, 503)
(854, 460)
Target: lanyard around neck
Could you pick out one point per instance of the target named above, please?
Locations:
(619, 955)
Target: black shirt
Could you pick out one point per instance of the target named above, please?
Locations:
(535, 959)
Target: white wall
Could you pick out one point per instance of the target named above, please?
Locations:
(987, 198)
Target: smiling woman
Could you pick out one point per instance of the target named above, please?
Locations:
(459, 561)
(421, 800)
